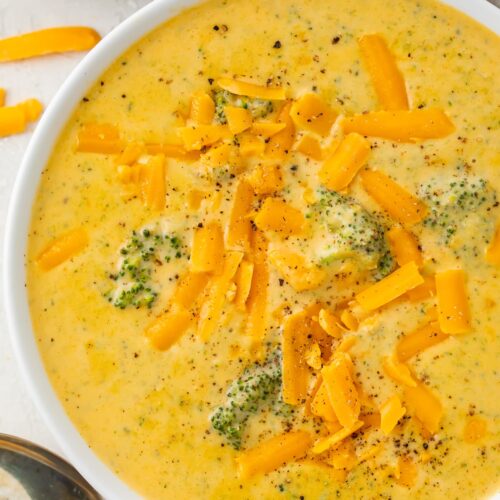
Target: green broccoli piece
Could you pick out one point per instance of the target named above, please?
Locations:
(452, 202)
(221, 98)
(257, 387)
(350, 232)
(139, 256)
(258, 107)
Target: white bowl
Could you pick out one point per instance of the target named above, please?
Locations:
(18, 220)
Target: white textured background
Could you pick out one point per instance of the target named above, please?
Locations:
(40, 78)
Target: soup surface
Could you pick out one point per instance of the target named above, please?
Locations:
(202, 254)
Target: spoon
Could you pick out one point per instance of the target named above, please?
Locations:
(28, 471)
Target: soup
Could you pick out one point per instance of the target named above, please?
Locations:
(263, 259)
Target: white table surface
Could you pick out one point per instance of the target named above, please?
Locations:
(40, 78)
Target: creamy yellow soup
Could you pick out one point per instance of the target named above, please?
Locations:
(147, 404)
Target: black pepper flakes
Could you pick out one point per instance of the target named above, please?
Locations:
(277, 45)
(336, 39)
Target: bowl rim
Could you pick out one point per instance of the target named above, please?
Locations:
(25, 187)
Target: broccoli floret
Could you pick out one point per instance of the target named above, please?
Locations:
(221, 98)
(258, 107)
(258, 386)
(350, 232)
(452, 202)
(139, 256)
(385, 265)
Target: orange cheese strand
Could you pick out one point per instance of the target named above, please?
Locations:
(266, 179)
(407, 472)
(398, 371)
(403, 126)
(222, 155)
(47, 41)
(278, 216)
(2, 97)
(343, 457)
(386, 78)
(194, 198)
(391, 413)
(281, 143)
(309, 146)
(172, 151)
(238, 119)
(267, 129)
(202, 108)
(370, 452)
(395, 200)
(453, 305)
(325, 444)
(99, 138)
(295, 370)
(63, 248)
(273, 453)
(493, 250)
(311, 113)
(341, 390)
(424, 291)
(12, 120)
(130, 154)
(32, 108)
(294, 269)
(330, 323)
(311, 395)
(371, 419)
(211, 310)
(391, 287)
(240, 227)
(404, 246)
(349, 320)
(189, 288)
(346, 343)
(419, 340)
(425, 406)
(252, 145)
(154, 187)
(339, 170)
(207, 251)
(243, 281)
(251, 90)
(257, 298)
(321, 406)
(475, 429)
(168, 328)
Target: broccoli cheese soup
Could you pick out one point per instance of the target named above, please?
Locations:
(264, 256)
